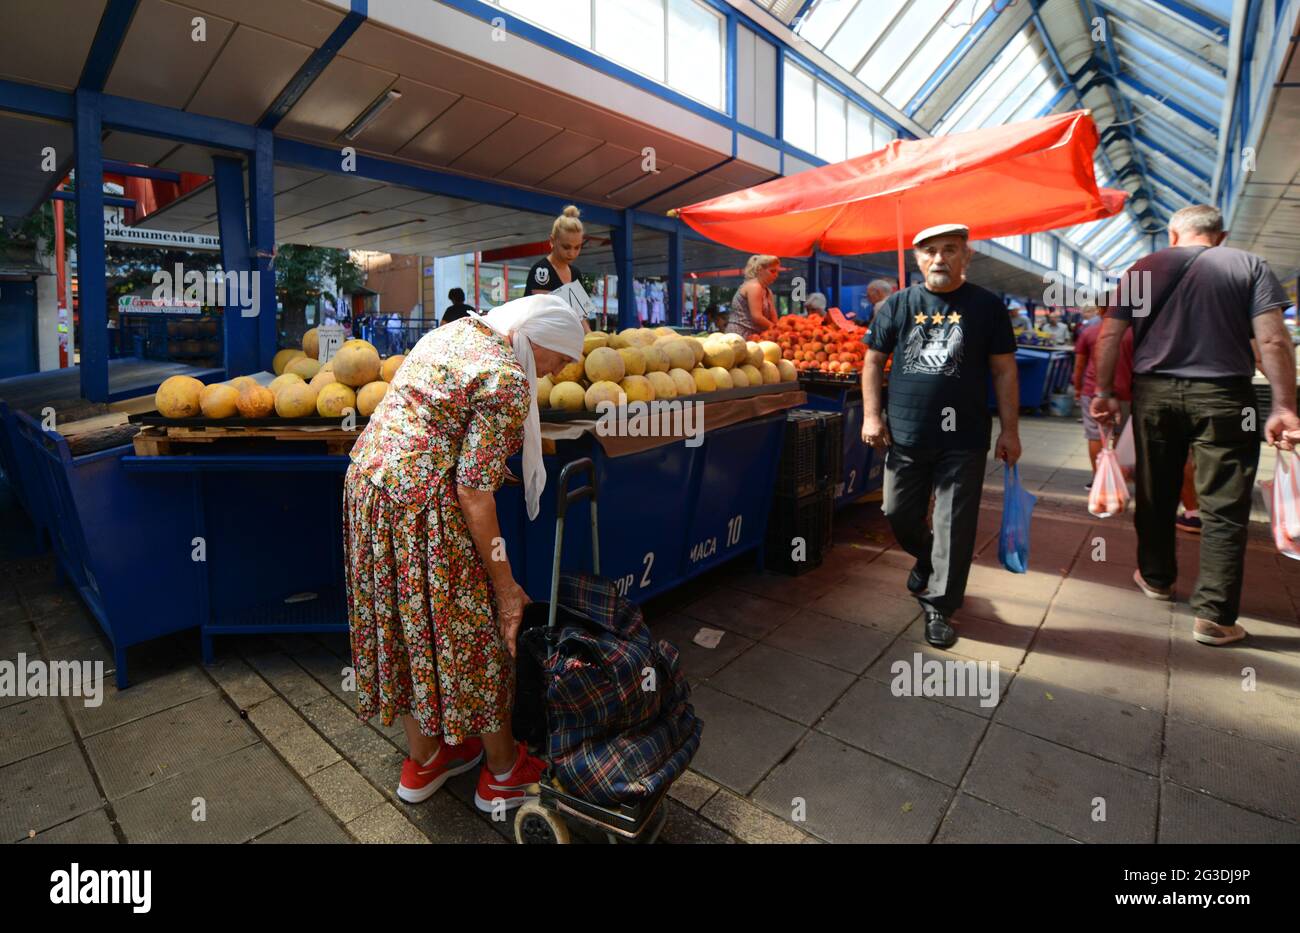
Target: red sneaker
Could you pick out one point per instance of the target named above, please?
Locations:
(420, 782)
(513, 789)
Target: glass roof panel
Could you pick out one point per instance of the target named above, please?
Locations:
(907, 33)
(861, 29)
(932, 51)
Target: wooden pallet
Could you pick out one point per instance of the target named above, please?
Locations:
(162, 441)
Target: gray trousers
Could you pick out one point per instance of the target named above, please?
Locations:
(956, 480)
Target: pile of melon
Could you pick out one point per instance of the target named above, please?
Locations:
(644, 365)
(814, 344)
(356, 378)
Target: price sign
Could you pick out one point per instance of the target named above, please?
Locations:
(330, 337)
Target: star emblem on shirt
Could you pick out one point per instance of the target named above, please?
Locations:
(954, 318)
(936, 318)
(920, 318)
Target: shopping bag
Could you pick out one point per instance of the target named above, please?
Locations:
(1017, 509)
(1109, 494)
(1286, 505)
(1124, 450)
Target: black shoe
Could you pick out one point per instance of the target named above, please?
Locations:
(937, 630)
(918, 580)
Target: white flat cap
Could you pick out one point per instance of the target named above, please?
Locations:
(960, 230)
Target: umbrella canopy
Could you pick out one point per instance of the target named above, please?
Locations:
(1004, 180)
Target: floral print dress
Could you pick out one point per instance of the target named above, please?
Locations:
(421, 609)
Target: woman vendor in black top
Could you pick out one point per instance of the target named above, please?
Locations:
(556, 268)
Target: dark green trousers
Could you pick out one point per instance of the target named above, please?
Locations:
(1217, 420)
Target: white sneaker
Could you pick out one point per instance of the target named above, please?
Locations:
(1211, 633)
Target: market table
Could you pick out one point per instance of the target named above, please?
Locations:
(1042, 371)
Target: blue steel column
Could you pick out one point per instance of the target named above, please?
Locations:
(91, 286)
(623, 265)
(834, 298)
(675, 277)
(240, 331)
(261, 212)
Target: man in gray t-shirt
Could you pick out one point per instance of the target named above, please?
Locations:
(1194, 309)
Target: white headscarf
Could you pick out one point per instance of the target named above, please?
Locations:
(549, 322)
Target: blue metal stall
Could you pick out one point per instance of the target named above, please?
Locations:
(864, 469)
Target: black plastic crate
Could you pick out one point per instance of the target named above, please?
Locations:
(797, 475)
(828, 518)
(830, 448)
(807, 517)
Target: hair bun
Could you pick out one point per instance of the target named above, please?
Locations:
(570, 211)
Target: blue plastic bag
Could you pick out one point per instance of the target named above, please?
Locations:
(1017, 509)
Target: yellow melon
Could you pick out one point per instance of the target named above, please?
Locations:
(771, 374)
(739, 347)
(282, 380)
(680, 354)
(771, 350)
(390, 367)
(303, 366)
(722, 378)
(683, 381)
(334, 399)
(544, 387)
(369, 397)
(719, 354)
(570, 373)
(605, 365)
(697, 347)
(755, 354)
(665, 332)
(739, 378)
(358, 342)
(663, 385)
(642, 337)
(218, 401)
(178, 397)
(638, 389)
(633, 361)
(356, 363)
(604, 391)
(656, 360)
(618, 341)
(594, 340)
(704, 380)
(568, 396)
(283, 358)
(255, 402)
(322, 379)
(327, 366)
(754, 374)
(239, 382)
(787, 371)
(311, 343)
(296, 400)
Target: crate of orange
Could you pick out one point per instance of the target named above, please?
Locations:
(819, 348)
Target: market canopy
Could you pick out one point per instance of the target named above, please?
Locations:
(1000, 181)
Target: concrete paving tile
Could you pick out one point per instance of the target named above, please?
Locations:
(971, 820)
(742, 613)
(304, 750)
(741, 742)
(1258, 777)
(65, 625)
(794, 591)
(748, 823)
(93, 828)
(243, 795)
(915, 732)
(692, 790)
(443, 819)
(829, 640)
(1188, 817)
(1004, 607)
(331, 716)
(784, 683)
(686, 827)
(31, 727)
(44, 791)
(1061, 788)
(12, 611)
(970, 700)
(698, 663)
(1119, 600)
(54, 601)
(1223, 702)
(850, 796)
(311, 827)
(146, 751)
(859, 604)
(242, 684)
(981, 639)
(384, 824)
(1120, 732)
(374, 756)
(344, 792)
(1086, 663)
(290, 680)
(142, 698)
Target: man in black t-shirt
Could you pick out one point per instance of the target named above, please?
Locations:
(457, 309)
(946, 336)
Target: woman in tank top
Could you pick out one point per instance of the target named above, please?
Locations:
(753, 309)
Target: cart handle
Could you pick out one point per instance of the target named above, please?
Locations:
(565, 498)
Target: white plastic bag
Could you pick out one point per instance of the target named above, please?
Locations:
(1124, 450)
(1109, 493)
(1286, 505)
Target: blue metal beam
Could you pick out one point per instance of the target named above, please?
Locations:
(305, 155)
(261, 218)
(1144, 89)
(1211, 25)
(675, 241)
(625, 266)
(311, 69)
(106, 44)
(92, 288)
(953, 59)
(232, 222)
(135, 116)
(32, 101)
(109, 200)
(1177, 160)
(1176, 188)
(112, 167)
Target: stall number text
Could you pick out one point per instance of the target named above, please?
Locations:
(699, 552)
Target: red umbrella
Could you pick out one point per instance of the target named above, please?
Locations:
(1003, 180)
